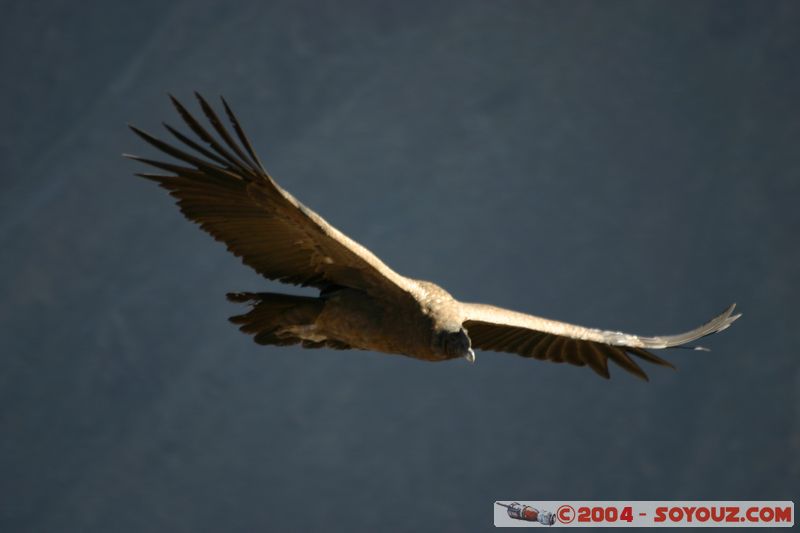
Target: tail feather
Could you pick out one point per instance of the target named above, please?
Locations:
(275, 318)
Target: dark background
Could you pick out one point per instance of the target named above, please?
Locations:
(626, 165)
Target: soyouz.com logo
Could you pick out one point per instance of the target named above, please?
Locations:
(644, 514)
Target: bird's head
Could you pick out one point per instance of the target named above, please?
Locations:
(456, 344)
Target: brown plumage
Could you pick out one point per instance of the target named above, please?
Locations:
(363, 304)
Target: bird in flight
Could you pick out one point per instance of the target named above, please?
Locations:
(221, 185)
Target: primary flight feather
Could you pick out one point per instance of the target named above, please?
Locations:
(363, 304)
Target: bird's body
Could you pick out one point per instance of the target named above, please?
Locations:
(404, 325)
(362, 303)
(415, 324)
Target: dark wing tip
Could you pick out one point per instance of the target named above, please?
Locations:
(203, 102)
(242, 136)
(141, 133)
(637, 371)
(650, 357)
(177, 103)
(621, 358)
(603, 373)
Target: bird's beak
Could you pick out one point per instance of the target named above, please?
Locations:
(470, 356)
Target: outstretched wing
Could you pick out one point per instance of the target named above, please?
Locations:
(223, 187)
(501, 330)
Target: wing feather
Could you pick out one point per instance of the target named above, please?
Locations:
(618, 355)
(242, 137)
(493, 328)
(220, 129)
(590, 353)
(193, 145)
(223, 187)
(204, 135)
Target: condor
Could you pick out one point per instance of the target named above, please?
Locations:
(220, 184)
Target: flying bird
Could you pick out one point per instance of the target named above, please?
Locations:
(220, 184)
